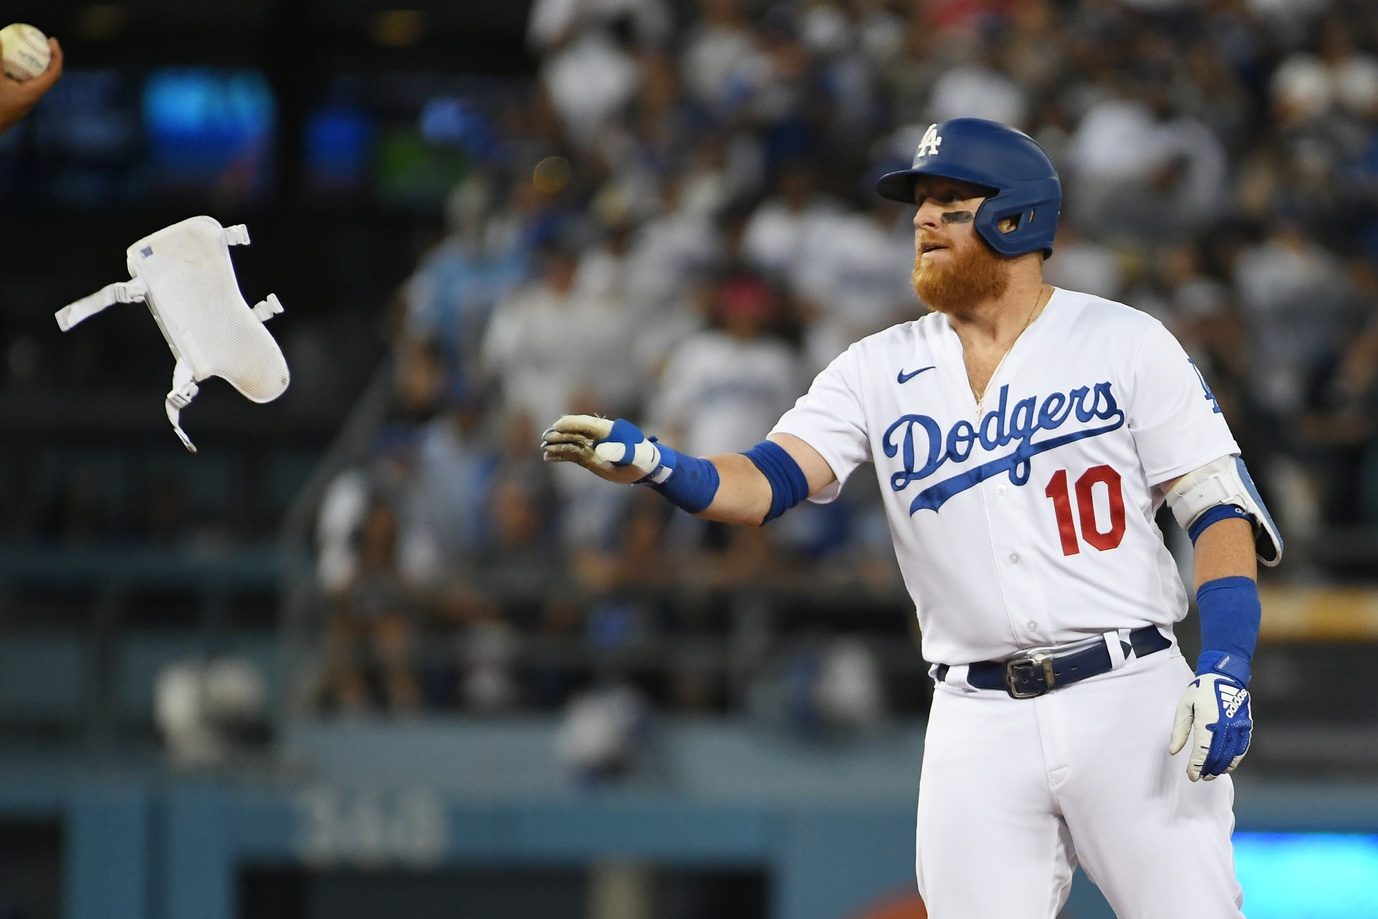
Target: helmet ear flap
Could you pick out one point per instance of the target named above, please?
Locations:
(1022, 220)
(1025, 207)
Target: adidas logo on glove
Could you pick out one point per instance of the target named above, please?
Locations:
(1232, 698)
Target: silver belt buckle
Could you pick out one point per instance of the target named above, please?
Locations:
(1029, 665)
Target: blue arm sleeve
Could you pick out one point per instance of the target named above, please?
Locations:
(788, 486)
(691, 482)
(1230, 617)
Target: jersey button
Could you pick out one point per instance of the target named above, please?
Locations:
(1014, 558)
(1031, 625)
(1000, 489)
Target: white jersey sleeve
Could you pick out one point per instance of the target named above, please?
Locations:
(830, 418)
(1176, 423)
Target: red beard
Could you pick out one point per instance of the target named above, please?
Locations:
(972, 275)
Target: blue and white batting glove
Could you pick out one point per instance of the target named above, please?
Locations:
(1214, 714)
(614, 450)
(619, 452)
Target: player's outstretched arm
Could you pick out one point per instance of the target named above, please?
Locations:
(1213, 720)
(16, 98)
(745, 488)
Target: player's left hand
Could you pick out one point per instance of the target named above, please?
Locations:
(1214, 714)
(614, 450)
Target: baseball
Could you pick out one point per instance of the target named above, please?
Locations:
(25, 49)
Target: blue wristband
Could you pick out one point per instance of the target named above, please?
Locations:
(1230, 617)
(690, 484)
(788, 486)
(1215, 515)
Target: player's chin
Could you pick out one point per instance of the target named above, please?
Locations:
(938, 290)
(926, 274)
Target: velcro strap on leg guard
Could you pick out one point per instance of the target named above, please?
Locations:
(267, 308)
(123, 292)
(184, 389)
(185, 276)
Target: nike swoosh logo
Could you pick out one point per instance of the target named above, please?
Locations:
(906, 377)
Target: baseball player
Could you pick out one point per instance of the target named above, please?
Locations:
(1024, 437)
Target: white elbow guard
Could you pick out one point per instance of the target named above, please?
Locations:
(1226, 482)
(185, 276)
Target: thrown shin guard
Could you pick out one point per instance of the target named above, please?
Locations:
(184, 275)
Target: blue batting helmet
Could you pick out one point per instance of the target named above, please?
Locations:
(1022, 181)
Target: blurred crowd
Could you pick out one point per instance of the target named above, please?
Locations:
(678, 226)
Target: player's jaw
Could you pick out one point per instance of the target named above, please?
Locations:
(955, 276)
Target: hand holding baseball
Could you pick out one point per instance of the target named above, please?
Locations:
(23, 49)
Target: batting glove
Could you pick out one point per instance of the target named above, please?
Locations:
(614, 450)
(1214, 714)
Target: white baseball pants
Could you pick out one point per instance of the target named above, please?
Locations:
(1015, 793)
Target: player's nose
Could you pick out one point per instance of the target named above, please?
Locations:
(926, 215)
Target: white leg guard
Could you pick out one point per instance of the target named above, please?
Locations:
(185, 276)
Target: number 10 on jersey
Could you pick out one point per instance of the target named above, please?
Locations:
(1077, 504)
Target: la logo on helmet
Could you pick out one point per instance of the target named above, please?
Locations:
(928, 146)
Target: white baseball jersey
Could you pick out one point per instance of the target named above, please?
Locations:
(1032, 523)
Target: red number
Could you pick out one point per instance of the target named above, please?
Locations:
(1062, 506)
(1103, 540)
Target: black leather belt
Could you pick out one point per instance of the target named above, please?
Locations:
(1032, 676)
